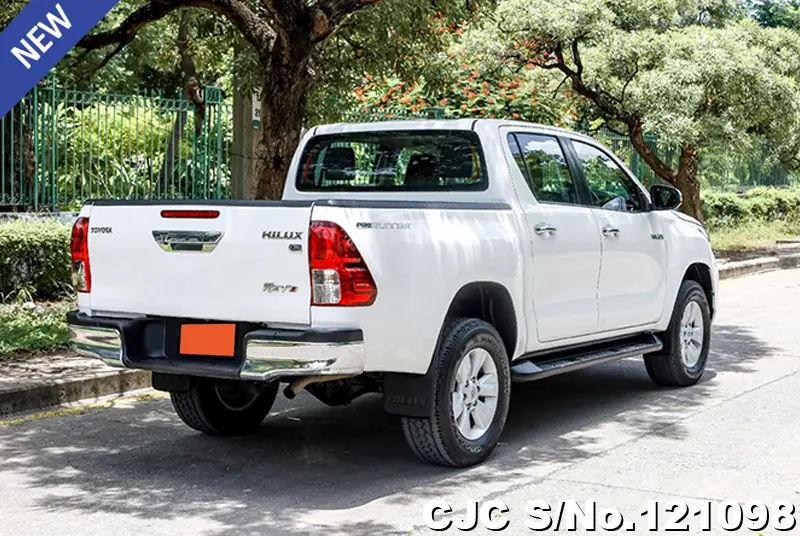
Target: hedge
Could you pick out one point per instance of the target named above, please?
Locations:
(34, 260)
(725, 210)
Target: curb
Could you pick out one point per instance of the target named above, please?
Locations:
(59, 392)
(754, 266)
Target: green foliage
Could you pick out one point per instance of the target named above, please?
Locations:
(694, 72)
(764, 205)
(775, 13)
(152, 61)
(398, 42)
(34, 261)
(30, 327)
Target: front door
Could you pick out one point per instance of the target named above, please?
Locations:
(631, 289)
(565, 240)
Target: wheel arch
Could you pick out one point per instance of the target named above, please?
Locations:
(489, 301)
(701, 273)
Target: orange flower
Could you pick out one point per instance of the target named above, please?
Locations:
(515, 115)
(405, 100)
(385, 99)
(443, 102)
(485, 91)
(490, 100)
(472, 95)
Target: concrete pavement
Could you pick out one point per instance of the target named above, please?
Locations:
(606, 433)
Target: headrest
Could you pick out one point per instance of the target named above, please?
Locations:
(422, 170)
(457, 161)
(339, 163)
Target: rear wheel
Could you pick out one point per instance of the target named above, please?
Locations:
(686, 342)
(225, 407)
(470, 397)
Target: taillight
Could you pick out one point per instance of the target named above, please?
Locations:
(339, 275)
(79, 247)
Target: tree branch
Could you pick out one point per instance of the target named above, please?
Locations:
(636, 135)
(329, 15)
(253, 29)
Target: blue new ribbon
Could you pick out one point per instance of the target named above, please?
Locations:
(38, 38)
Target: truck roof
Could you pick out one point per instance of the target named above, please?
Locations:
(435, 124)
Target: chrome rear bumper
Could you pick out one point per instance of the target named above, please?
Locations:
(102, 343)
(264, 355)
(266, 359)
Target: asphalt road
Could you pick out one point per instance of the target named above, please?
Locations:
(606, 434)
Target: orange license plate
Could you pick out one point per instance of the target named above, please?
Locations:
(208, 339)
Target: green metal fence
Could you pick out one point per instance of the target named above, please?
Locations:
(59, 147)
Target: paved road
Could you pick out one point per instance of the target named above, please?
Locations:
(605, 433)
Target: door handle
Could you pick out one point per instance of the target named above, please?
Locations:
(545, 229)
(610, 231)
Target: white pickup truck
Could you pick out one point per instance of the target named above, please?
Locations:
(435, 262)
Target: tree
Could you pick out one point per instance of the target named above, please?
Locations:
(462, 84)
(692, 73)
(293, 43)
(775, 13)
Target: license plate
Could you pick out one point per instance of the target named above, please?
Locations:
(217, 340)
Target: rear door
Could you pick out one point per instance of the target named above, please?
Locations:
(236, 262)
(565, 239)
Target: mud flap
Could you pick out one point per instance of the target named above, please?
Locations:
(408, 395)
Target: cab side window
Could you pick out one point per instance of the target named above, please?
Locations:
(542, 162)
(609, 186)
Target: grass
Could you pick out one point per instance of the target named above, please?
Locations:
(753, 235)
(33, 327)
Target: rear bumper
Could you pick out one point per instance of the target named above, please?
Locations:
(261, 354)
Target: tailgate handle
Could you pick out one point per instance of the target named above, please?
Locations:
(188, 241)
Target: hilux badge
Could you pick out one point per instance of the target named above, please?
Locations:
(282, 235)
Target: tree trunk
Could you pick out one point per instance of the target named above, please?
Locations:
(684, 179)
(192, 92)
(687, 182)
(284, 96)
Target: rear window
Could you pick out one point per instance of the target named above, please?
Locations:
(397, 160)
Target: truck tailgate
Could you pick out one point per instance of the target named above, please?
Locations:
(249, 263)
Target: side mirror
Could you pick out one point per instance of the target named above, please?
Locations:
(665, 197)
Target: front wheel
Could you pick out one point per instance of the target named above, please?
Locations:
(471, 389)
(686, 342)
(224, 407)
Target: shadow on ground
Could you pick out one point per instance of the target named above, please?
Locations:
(140, 461)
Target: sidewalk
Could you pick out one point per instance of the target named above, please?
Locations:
(59, 378)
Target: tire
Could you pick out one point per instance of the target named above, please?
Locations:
(670, 367)
(437, 439)
(224, 407)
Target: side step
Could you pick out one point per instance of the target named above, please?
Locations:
(569, 360)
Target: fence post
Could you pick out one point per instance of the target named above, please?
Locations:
(244, 138)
